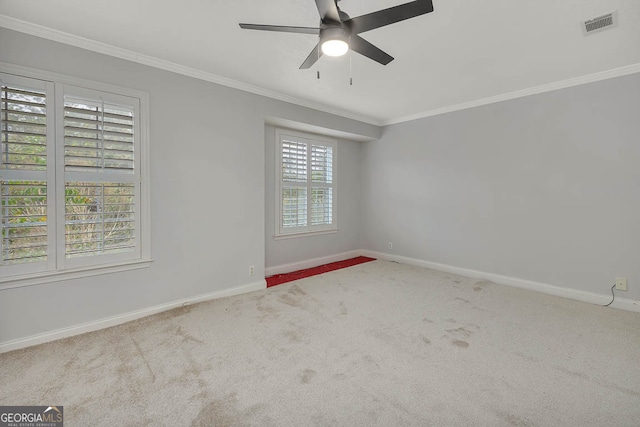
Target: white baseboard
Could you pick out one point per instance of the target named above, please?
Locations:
(590, 297)
(309, 263)
(126, 317)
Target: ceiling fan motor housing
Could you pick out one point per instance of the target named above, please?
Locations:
(335, 33)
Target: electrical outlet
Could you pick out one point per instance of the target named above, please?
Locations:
(390, 245)
(621, 283)
(252, 270)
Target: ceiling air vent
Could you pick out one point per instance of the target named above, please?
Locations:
(600, 23)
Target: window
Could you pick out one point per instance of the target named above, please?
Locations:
(72, 193)
(305, 184)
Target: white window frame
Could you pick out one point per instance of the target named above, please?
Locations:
(308, 230)
(58, 266)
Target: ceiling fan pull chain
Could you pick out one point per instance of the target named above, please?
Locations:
(350, 69)
(318, 51)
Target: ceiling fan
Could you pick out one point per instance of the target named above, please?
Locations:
(339, 33)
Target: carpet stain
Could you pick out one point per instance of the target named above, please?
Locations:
(620, 389)
(460, 331)
(482, 283)
(606, 384)
(293, 336)
(307, 375)
(525, 356)
(370, 360)
(456, 281)
(513, 420)
(225, 412)
(427, 320)
(426, 340)
(259, 297)
(296, 290)
(186, 336)
(268, 311)
(288, 300)
(573, 373)
(343, 308)
(477, 288)
(144, 359)
(460, 343)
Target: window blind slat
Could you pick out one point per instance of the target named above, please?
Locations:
(98, 122)
(80, 131)
(79, 108)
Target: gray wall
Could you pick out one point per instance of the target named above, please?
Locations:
(285, 251)
(544, 188)
(207, 191)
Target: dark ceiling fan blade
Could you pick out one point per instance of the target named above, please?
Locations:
(328, 10)
(378, 19)
(281, 28)
(365, 48)
(312, 58)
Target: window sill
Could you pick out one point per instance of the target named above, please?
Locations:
(56, 276)
(304, 234)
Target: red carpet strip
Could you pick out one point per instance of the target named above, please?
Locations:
(314, 271)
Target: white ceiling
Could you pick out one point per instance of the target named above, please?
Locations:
(465, 51)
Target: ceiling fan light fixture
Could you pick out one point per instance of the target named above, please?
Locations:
(334, 41)
(335, 47)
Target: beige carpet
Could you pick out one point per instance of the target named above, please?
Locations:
(378, 344)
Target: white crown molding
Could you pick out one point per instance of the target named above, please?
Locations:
(604, 75)
(106, 49)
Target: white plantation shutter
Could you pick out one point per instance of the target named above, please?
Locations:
(321, 185)
(101, 176)
(294, 179)
(74, 195)
(26, 243)
(306, 175)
